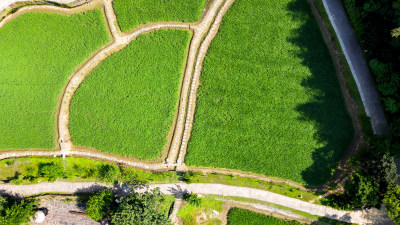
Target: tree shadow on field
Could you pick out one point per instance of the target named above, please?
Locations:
(327, 108)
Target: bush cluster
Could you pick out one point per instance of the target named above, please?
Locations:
(137, 208)
(13, 212)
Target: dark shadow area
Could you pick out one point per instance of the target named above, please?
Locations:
(327, 108)
(178, 191)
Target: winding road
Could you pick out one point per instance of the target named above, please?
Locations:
(372, 216)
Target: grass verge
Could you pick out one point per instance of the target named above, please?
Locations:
(269, 100)
(132, 13)
(282, 189)
(39, 52)
(127, 104)
(33, 170)
(206, 213)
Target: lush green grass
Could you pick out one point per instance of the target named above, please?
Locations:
(132, 13)
(27, 171)
(240, 216)
(282, 189)
(190, 213)
(127, 104)
(38, 52)
(270, 101)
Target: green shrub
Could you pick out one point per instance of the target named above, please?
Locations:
(141, 209)
(14, 213)
(108, 173)
(192, 199)
(99, 205)
(50, 171)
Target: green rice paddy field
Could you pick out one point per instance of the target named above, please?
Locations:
(126, 105)
(241, 216)
(38, 53)
(269, 100)
(132, 13)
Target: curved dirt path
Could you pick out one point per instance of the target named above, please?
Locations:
(372, 216)
(6, 4)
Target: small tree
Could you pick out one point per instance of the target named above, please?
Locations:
(108, 173)
(192, 199)
(51, 171)
(14, 213)
(141, 209)
(99, 205)
(362, 191)
(392, 201)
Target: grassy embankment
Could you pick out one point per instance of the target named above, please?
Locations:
(34, 170)
(132, 13)
(39, 52)
(269, 100)
(127, 104)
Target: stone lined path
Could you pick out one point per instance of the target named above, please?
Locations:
(372, 216)
(59, 213)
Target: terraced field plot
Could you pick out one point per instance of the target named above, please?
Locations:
(269, 100)
(241, 216)
(127, 104)
(38, 53)
(132, 13)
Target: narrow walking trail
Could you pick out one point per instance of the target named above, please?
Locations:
(372, 216)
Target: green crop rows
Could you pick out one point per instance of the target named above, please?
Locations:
(127, 104)
(38, 52)
(132, 13)
(240, 216)
(269, 100)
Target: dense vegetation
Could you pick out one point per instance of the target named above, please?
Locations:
(132, 13)
(240, 216)
(37, 57)
(204, 210)
(16, 211)
(34, 170)
(375, 24)
(126, 105)
(150, 207)
(269, 100)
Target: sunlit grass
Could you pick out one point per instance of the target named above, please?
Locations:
(38, 53)
(127, 104)
(269, 100)
(132, 13)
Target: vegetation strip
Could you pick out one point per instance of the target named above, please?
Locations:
(240, 216)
